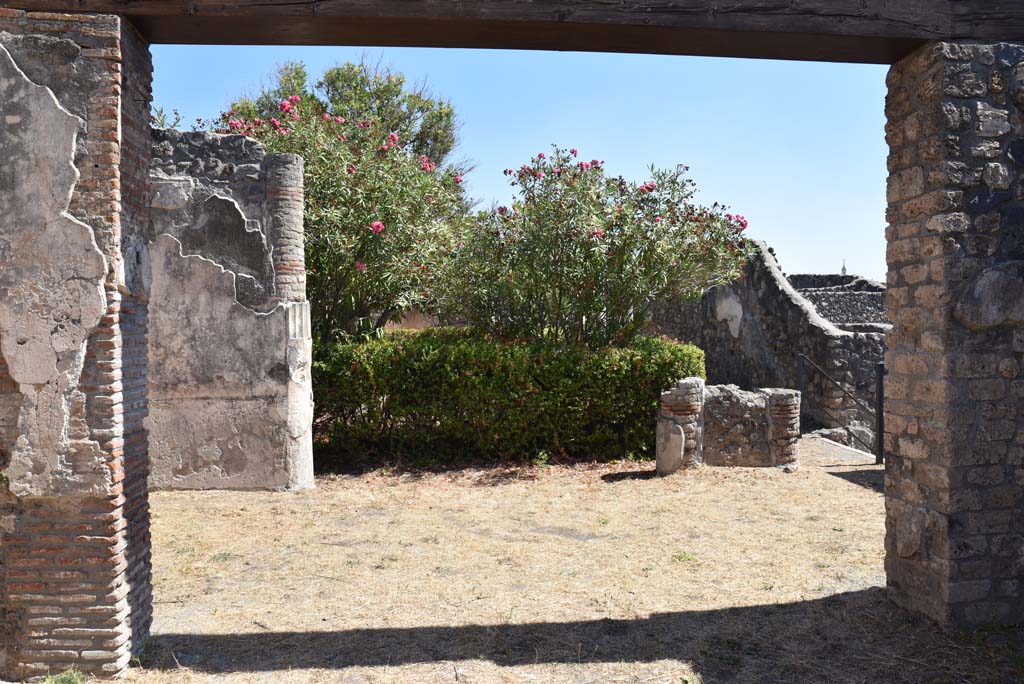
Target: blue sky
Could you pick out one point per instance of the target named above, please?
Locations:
(797, 147)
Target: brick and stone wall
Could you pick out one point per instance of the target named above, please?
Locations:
(758, 428)
(229, 341)
(752, 330)
(722, 425)
(74, 555)
(955, 394)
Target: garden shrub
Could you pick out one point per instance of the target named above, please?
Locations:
(447, 395)
(579, 259)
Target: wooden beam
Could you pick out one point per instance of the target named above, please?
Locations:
(828, 30)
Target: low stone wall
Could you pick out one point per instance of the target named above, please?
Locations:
(752, 331)
(723, 425)
(229, 345)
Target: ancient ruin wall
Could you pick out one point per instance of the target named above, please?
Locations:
(229, 354)
(722, 425)
(752, 330)
(857, 304)
(758, 428)
(74, 556)
(955, 394)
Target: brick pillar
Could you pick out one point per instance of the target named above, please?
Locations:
(74, 522)
(284, 209)
(954, 398)
(680, 439)
(783, 425)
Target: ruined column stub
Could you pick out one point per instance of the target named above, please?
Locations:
(783, 425)
(680, 424)
(954, 391)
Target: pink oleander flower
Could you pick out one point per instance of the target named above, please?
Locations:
(657, 219)
(540, 155)
(584, 166)
(295, 99)
(502, 210)
(274, 122)
(285, 106)
(377, 227)
(393, 137)
(360, 266)
(295, 116)
(597, 233)
(574, 152)
(458, 178)
(351, 169)
(327, 117)
(339, 119)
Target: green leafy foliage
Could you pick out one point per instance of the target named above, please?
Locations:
(377, 217)
(448, 395)
(364, 92)
(580, 258)
(72, 676)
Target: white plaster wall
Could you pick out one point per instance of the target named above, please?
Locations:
(230, 393)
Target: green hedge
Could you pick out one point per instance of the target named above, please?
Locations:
(448, 395)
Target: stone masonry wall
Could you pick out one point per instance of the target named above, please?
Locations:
(74, 559)
(230, 386)
(722, 425)
(757, 428)
(752, 330)
(955, 396)
(850, 306)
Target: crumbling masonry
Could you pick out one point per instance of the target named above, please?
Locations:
(230, 393)
(753, 329)
(75, 196)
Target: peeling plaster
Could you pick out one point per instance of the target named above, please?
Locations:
(51, 291)
(230, 387)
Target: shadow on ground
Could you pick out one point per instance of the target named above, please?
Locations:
(871, 478)
(630, 475)
(854, 637)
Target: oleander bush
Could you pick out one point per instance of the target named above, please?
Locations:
(379, 209)
(453, 395)
(580, 258)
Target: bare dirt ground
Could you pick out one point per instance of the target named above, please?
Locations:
(584, 574)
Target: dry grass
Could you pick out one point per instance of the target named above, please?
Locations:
(581, 574)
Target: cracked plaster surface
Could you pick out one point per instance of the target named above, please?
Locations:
(51, 291)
